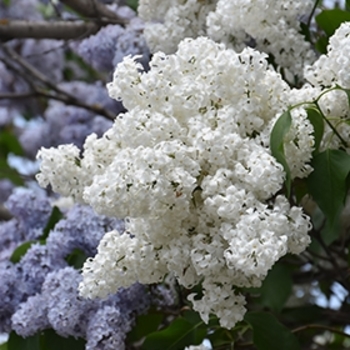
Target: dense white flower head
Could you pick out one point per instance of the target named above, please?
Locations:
(270, 26)
(329, 70)
(332, 68)
(190, 167)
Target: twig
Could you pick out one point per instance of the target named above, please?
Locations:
(59, 94)
(95, 10)
(319, 326)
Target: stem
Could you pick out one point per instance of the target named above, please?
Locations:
(319, 326)
(331, 126)
(312, 13)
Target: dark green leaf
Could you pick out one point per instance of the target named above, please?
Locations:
(21, 251)
(269, 333)
(315, 118)
(16, 342)
(54, 218)
(9, 143)
(220, 337)
(7, 2)
(276, 288)
(330, 20)
(6, 172)
(50, 340)
(328, 186)
(305, 30)
(347, 5)
(177, 336)
(321, 44)
(192, 317)
(303, 314)
(278, 134)
(76, 258)
(133, 4)
(145, 324)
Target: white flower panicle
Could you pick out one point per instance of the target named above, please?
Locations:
(271, 26)
(190, 167)
(329, 70)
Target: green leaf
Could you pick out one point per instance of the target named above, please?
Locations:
(50, 340)
(16, 342)
(347, 5)
(9, 143)
(315, 118)
(21, 251)
(177, 336)
(303, 314)
(220, 337)
(6, 172)
(330, 20)
(328, 186)
(276, 288)
(321, 44)
(145, 324)
(269, 333)
(76, 258)
(54, 218)
(4, 346)
(278, 134)
(133, 4)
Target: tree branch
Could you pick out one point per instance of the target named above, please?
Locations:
(57, 94)
(64, 30)
(95, 10)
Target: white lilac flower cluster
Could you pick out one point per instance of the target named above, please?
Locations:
(270, 26)
(327, 72)
(189, 166)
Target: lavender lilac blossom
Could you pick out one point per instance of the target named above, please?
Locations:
(63, 124)
(107, 48)
(41, 291)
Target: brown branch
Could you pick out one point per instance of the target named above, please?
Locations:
(65, 30)
(95, 10)
(319, 326)
(58, 93)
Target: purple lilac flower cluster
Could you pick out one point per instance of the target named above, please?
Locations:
(41, 290)
(107, 48)
(64, 124)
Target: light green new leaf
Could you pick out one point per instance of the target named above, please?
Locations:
(277, 136)
(328, 186)
(315, 118)
(269, 333)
